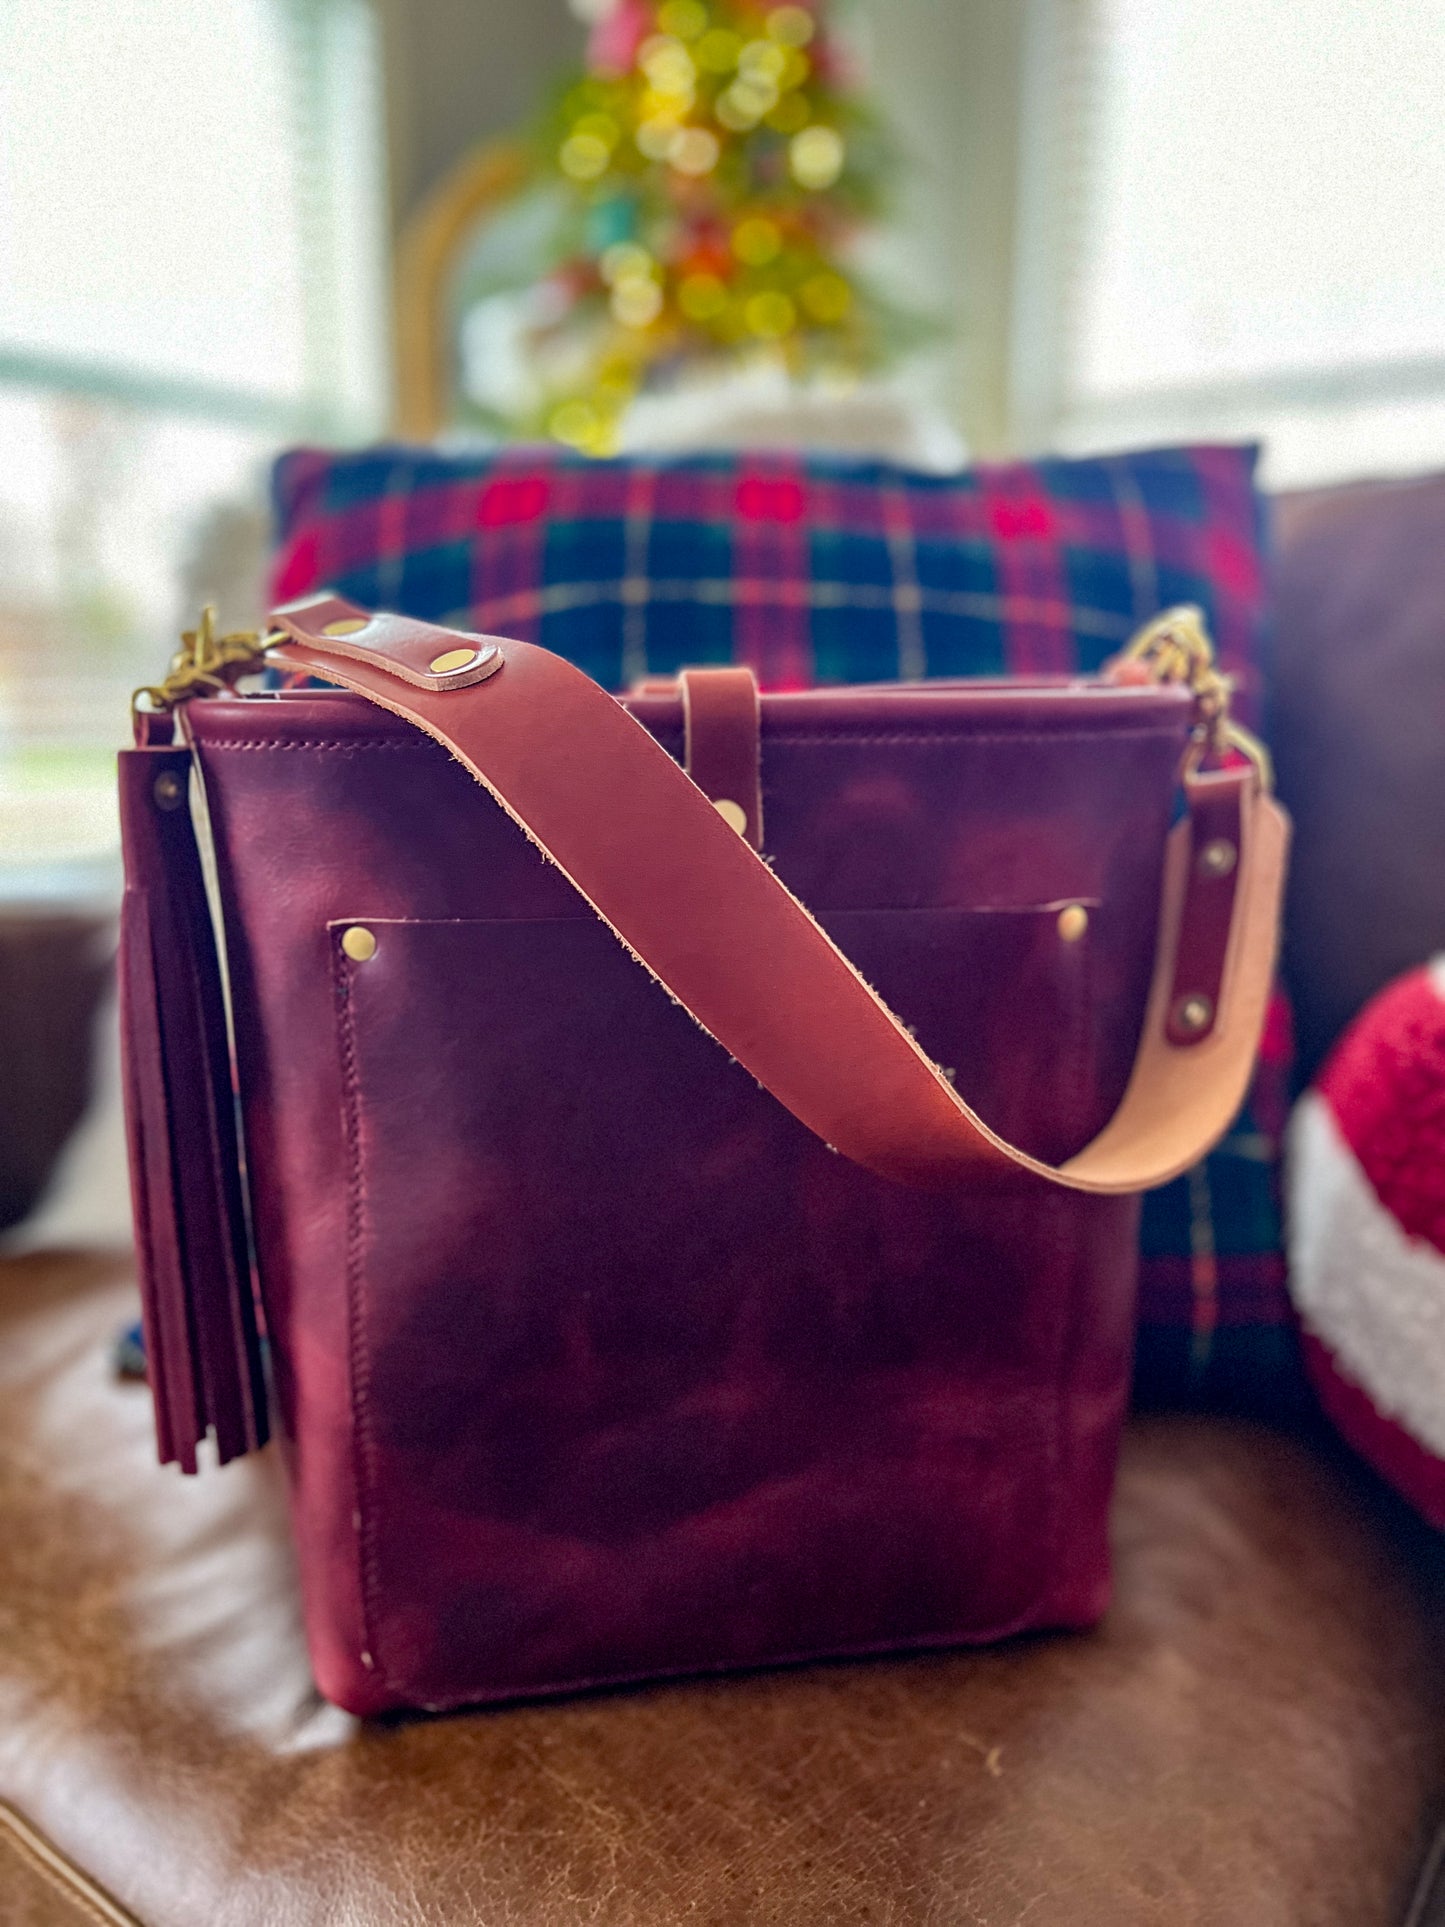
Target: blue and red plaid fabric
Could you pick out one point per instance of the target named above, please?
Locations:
(816, 569)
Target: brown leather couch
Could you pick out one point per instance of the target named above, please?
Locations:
(1254, 1738)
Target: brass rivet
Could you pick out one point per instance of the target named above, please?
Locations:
(1193, 1013)
(444, 664)
(733, 814)
(1218, 857)
(168, 790)
(1073, 922)
(345, 626)
(359, 943)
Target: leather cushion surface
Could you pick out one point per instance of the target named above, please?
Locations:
(53, 971)
(1254, 1736)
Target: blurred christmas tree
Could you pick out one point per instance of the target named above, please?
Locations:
(690, 201)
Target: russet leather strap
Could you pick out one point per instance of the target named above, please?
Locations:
(708, 918)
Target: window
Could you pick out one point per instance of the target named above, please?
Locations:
(1233, 229)
(190, 246)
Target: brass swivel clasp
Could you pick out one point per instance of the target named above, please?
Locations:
(1175, 648)
(206, 664)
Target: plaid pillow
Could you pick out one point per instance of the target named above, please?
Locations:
(816, 569)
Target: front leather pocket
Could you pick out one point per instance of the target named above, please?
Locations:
(648, 1380)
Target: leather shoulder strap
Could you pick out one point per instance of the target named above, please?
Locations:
(701, 910)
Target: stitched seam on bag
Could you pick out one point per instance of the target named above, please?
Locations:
(1063, 1249)
(839, 739)
(903, 737)
(37, 1853)
(337, 742)
(358, 1351)
(1083, 1040)
(1062, 1252)
(945, 1639)
(566, 918)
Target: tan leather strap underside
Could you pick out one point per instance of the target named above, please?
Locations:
(705, 914)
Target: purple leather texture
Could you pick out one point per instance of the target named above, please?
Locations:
(591, 1363)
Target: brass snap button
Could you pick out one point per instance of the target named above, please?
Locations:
(168, 790)
(345, 626)
(1073, 922)
(733, 814)
(1194, 1013)
(452, 659)
(1218, 857)
(359, 943)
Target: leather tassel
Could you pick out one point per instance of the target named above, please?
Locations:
(197, 1295)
